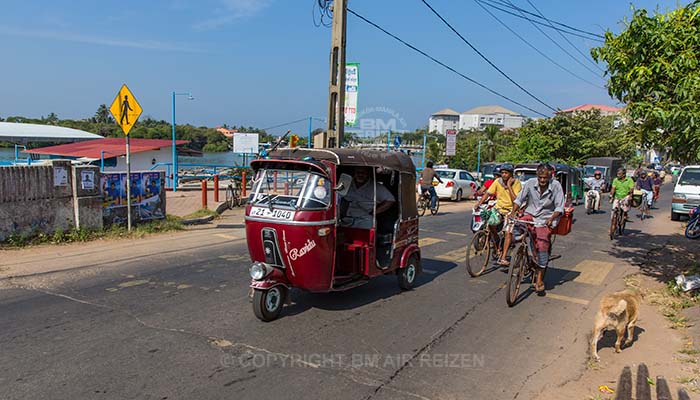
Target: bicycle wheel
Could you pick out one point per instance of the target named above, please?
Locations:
(421, 206)
(229, 197)
(479, 252)
(515, 275)
(434, 211)
(621, 223)
(692, 231)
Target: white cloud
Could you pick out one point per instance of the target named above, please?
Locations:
(103, 41)
(231, 10)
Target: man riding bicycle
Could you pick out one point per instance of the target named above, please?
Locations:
(595, 184)
(622, 189)
(426, 184)
(645, 183)
(543, 199)
(506, 188)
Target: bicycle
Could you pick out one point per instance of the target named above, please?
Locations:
(233, 195)
(424, 203)
(617, 221)
(644, 206)
(480, 250)
(524, 263)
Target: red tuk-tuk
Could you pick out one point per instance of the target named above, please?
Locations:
(313, 222)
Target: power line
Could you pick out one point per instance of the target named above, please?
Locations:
(287, 123)
(486, 58)
(410, 46)
(535, 48)
(521, 15)
(561, 48)
(567, 39)
(514, 7)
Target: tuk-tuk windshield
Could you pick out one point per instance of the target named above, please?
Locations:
(291, 189)
(525, 174)
(589, 170)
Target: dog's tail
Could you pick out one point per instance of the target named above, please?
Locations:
(619, 309)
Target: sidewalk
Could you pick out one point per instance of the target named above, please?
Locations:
(186, 202)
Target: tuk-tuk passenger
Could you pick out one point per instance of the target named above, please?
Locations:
(360, 198)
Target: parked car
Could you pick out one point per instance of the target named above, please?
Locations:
(457, 184)
(686, 192)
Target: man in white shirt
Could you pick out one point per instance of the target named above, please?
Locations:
(361, 199)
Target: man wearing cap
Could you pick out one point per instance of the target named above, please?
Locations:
(596, 184)
(506, 189)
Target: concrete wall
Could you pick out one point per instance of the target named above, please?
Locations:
(46, 198)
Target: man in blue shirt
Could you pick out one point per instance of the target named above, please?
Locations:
(645, 183)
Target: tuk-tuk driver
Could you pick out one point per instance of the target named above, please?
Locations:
(360, 198)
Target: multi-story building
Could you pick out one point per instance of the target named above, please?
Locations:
(476, 118)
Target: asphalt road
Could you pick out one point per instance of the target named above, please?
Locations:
(177, 324)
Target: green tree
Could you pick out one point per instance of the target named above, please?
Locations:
(654, 67)
(102, 115)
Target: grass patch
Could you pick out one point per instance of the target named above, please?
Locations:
(169, 224)
(201, 213)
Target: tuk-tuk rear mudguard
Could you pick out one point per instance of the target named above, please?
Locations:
(407, 253)
(276, 278)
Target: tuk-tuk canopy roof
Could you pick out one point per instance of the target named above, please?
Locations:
(350, 157)
(533, 166)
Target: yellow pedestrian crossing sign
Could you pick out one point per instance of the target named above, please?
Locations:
(125, 109)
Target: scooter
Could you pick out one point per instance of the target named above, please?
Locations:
(692, 230)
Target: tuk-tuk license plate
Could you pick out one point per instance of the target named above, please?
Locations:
(264, 212)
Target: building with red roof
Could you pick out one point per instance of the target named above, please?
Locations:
(145, 153)
(604, 110)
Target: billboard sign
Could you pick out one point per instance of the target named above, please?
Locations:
(245, 143)
(451, 143)
(352, 82)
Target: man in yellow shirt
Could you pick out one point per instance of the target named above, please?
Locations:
(506, 189)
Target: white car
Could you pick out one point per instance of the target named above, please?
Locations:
(457, 184)
(686, 192)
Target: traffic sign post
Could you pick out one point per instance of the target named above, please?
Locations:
(126, 111)
(397, 142)
(451, 142)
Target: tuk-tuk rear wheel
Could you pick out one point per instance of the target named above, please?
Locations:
(407, 275)
(268, 303)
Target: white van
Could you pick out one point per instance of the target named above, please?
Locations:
(686, 193)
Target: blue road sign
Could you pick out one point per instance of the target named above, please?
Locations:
(397, 141)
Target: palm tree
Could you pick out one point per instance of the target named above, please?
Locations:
(491, 133)
(102, 115)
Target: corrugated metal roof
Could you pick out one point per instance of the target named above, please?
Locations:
(447, 111)
(113, 147)
(487, 110)
(586, 107)
(37, 133)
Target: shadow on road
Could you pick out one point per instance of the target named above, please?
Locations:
(376, 289)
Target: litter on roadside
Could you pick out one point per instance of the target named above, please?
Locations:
(688, 282)
(605, 389)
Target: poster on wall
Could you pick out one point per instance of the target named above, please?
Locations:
(147, 196)
(60, 176)
(87, 180)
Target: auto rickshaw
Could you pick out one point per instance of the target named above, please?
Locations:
(309, 227)
(569, 178)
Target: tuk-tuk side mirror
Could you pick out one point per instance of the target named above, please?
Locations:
(343, 185)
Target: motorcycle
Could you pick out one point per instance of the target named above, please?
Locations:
(479, 216)
(692, 230)
(591, 198)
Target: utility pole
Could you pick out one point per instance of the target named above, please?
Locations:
(336, 89)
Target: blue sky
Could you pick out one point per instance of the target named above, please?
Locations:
(263, 62)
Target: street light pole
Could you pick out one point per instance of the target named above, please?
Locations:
(478, 161)
(174, 181)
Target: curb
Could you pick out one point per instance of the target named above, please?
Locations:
(199, 221)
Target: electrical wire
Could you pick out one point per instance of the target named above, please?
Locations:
(562, 48)
(481, 85)
(521, 15)
(535, 48)
(514, 7)
(287, 123)
(567, 39)
(486, 58)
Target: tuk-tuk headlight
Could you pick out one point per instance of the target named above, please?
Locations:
(259, 271)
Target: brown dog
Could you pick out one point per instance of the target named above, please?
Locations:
(617, 311)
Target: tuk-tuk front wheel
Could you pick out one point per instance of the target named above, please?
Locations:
(408, 274)
(268, 303)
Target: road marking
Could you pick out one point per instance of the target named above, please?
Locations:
(590, 272)
(428, 241)
(567, 298)
(225, 236)
(457, 234)
(457, 255)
